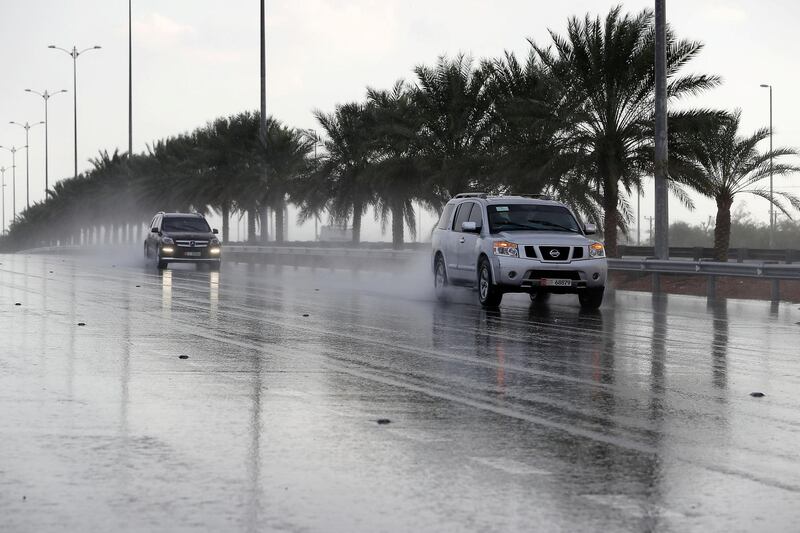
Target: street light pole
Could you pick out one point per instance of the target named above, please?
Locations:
(13, 151)
(3, 172)
(661, 151)
(771, 197)
(45, 96)
(130, 82)
(74, 53)
(27, 127)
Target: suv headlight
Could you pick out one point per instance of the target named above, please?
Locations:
(597, 250)
(167, 240)
(214, 241)
(508, 249)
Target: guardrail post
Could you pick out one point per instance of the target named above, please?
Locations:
(776, 290)
(711, 290)
(697, 253)
(741, 255)
(656, 279)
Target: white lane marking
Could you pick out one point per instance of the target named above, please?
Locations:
(510, 466)
(632, 506)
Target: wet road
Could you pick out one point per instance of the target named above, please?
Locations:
(634, 418)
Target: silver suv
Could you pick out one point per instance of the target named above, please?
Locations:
(517, 244)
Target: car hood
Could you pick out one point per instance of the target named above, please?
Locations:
(554, 238)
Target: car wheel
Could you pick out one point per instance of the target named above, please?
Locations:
(539, 297)
(161, 265)
(489, 294)
(440, 279)
(591, 298)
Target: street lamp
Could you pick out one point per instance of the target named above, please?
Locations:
(74, 53)
(771, 198)
(27, 127)
(45, 96)
(13, 151)
(3, 172)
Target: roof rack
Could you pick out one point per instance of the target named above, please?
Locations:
(471, 195)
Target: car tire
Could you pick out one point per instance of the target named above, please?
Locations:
(489, 294)
(591, 298)
(161, 265)
(539, 297)
(440, 279)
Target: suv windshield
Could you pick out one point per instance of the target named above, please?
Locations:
(531, 217)
(185, 224)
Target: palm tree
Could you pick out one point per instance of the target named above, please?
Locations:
(342, 170)
(728, 164)
(455, 129)
(285, 156)
(396, 173)
(605, 72)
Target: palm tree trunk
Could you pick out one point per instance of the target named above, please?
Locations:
(610, 218)
(722, 231)
(252, 213)
(397, 226)
(279, 222)
(264, 213)
(226, 215)
(357, 223)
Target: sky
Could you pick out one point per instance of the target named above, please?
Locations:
(195, 60)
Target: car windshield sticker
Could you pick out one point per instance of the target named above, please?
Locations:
(501, 208)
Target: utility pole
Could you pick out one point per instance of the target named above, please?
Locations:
(262, 130)
(662, 155)
(45, 96)
(638, 216)
(130, 82)
(3, 172)
(650, 219)
(771, 197)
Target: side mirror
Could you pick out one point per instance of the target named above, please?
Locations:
(154, 230)
(215, 231)
(589, 229)
(470, 227)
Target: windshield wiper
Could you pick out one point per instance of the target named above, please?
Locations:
(553, 225)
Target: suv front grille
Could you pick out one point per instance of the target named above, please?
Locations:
(554, 253)
(191, 244)
(577, 252)
(530, 252)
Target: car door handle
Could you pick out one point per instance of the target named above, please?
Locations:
(461, 240)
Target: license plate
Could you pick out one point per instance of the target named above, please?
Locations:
(192, 254)
(557, 282)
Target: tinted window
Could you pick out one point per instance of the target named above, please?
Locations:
(462, 215)
(446, 214)
(187, 224)
(531, 217)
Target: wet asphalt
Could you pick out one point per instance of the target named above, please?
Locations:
(203, 401)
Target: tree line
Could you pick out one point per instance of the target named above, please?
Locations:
(573, 119)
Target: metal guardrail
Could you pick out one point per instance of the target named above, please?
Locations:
(711, 270)
(697, 253)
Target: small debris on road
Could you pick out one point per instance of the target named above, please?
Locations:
(757, 394)
(316, 290)
(383, 421)
(81, 323)
(51, 271)
(138, 286)
(305, 315)
(17, 303)
(183, 357)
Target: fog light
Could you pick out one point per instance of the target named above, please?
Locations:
(512, 274)
(595, 276)
(214, 251)
(167, 250)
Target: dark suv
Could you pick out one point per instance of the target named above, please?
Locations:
(182, 238)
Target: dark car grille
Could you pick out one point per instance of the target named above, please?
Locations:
(191, 243)
(553, 274)
(530, 251)
(554, 253)
(577, 252)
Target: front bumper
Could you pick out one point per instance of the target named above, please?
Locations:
(182, 255)
(526, 275)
